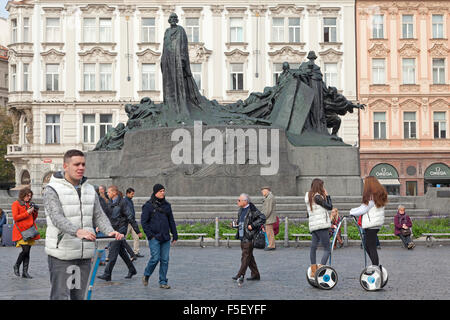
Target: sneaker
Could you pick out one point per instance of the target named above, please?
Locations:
(240, 280)
(105, 277)
(145, 280)
(164, 286)
(139, 255)
(235, 277)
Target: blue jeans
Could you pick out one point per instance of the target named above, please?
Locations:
(159, 251)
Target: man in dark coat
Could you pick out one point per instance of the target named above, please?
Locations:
(120, 215)
(157, 221)
(250, 220)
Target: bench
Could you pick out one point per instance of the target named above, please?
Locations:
(228, 235)
(298, 235)
(430, 237)
(385, 234)
(200, 235)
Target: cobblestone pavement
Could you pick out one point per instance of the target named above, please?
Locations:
(205, 274)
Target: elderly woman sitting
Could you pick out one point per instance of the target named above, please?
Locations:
(403, 227)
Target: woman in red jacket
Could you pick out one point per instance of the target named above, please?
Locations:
(24, 217)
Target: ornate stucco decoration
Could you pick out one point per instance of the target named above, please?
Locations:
(192, 11)
(409, 50)
(379, 105)
(287, 54)
(331, 55)
(258, 10)
(198, 52)
(379, 50)
(97, 10)
(167, 9)
(97, 54)
(216, 10)
(148, 56)
(440, 105)
(439, 51)
(410, 104)
(286, 9)
(237, 56)
(52, 56)
(127, 10)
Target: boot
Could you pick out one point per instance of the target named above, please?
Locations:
(313, 270)
(16, 269)
(25, 270)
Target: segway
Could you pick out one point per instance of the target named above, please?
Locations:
(101, 243)
(372, 277)
(326, 276)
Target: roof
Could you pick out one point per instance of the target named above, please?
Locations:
(3, 53)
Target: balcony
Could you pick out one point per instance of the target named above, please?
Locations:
(18, 149)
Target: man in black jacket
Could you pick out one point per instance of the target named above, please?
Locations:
(157, 221)
(250, 220)
(120, 216)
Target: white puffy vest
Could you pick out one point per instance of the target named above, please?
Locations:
(80, 213)
(373, 218)
(318, 216)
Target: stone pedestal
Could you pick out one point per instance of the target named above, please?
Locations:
(150, 156)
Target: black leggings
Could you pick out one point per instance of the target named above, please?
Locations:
(24, 256)
(371, 245)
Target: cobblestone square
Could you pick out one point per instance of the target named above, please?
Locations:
(205, 274)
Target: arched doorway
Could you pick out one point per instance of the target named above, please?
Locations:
(388, 177)
(25, 178)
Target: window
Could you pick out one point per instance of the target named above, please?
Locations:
(329, 30)
(277, 70)
(193, 29)
(105, 124)
(52, 77)
(148, 29)
(409, 70)
(25, 76)
(105, 30)
(52, 128)
(196, 69)
(407, 26)
(278, 29)
(148, 76)
(379, 125)
(330, 74)
(294, 30)
(52, 30)
(13, 77)
(438, 71)
(13, 30)
(89, 76)
(26, 29)
(409, 125)
(89, 128)
(438, 26)
(378, 73)
(89, 29)
(378, 26)
(236, 30)
(237, 76)
(105, 76)
(439, 125)
(6, 80)
(411, 188)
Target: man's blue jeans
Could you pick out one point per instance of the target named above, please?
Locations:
(159, 251)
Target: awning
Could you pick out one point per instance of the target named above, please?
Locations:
(389, 182)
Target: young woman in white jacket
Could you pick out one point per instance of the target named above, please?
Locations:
(318, 202)
(372, 210)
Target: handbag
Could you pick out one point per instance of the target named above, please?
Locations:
(276, 226)
(259, 241)
(28, 234)
(405, 232)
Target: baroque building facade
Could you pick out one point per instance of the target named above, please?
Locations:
(74, 65)
(403, 76)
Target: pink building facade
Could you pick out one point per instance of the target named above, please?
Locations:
(403, 60)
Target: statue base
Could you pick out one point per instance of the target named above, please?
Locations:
(223, 161)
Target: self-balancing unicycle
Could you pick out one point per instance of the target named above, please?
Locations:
(326, 276)
(101, 242)
(372, 277)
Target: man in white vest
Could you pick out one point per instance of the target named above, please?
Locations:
(73, 212)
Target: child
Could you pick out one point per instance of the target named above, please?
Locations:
(335, 220)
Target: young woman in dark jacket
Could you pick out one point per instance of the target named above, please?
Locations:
(157, 221)
(403, 222)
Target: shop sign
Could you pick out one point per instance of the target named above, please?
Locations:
(384, 171)
(437, 171)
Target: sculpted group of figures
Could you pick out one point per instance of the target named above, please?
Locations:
(76, 215)
(299, 102)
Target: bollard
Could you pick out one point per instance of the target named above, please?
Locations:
(286, 233)
(217, 232)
